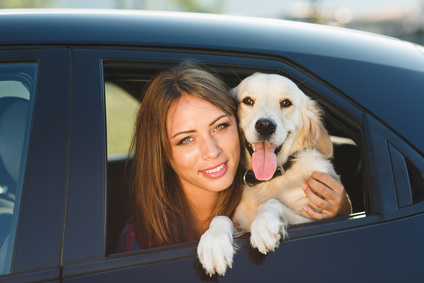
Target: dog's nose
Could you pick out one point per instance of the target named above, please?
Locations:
(265, 127)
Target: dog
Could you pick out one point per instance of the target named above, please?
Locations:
(285, 141)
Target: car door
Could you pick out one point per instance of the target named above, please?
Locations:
(34, 139)
(362, 247)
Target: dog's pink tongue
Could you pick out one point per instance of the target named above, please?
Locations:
(264, 161)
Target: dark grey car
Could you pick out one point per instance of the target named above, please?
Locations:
(71, 81)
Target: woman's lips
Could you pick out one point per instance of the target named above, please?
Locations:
(215, 172)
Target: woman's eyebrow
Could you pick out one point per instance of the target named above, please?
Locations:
(217, 119)
(193, 131)
(183, 132)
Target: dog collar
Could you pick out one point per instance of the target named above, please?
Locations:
(250, 180)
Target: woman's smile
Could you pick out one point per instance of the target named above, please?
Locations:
(215, 172)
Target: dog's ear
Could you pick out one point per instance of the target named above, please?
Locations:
(313, 133)
(233, 92)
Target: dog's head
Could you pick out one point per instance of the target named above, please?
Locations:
(277, 119)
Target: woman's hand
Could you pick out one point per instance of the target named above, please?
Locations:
(328, 194)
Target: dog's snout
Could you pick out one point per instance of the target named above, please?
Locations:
(265, 127)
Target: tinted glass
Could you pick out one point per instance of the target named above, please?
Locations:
(416, 179)
(17, 85)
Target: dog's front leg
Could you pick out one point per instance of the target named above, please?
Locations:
(215, 249)
(268, 227)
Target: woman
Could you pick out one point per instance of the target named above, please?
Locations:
(186, 161)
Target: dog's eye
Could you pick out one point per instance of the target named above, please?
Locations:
(248, 101)
(285, 103)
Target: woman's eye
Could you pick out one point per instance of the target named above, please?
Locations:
(185, 140)
(221, 126)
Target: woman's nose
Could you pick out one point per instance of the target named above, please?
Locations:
(210, 148)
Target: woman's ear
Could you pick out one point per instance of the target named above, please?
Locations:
(313, 133)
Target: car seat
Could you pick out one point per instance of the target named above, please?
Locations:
(118, 200)
(348, 164)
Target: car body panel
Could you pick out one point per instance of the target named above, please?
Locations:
(88, 163)
(354, 255)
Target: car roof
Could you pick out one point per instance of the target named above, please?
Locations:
(381, 74)
(98, 26)
(149, 28)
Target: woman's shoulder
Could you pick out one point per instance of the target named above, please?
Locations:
(127, 240)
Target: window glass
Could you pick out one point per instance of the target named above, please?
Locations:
(121, 111)
(416, 179)
(17, 85)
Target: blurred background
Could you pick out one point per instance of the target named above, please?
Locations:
(398, 18)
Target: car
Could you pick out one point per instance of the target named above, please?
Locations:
(70, 84)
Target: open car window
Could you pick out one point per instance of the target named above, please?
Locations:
(130, 78)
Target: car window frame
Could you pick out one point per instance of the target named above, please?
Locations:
(88, 72)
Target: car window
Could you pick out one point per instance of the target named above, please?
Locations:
(124, 90)
(416, 179)
(409, 179)
(17, 84)
(121, 110)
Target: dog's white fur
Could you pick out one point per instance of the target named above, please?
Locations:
(267, 208)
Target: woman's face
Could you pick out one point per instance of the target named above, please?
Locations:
(205, 145)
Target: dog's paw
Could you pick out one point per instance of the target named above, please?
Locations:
(266, 229)
(215, 249)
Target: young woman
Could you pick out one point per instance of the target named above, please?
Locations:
(186, 161)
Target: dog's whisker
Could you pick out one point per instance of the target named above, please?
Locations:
(305, 80)
(235, 73)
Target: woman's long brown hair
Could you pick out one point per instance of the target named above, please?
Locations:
(162, 215)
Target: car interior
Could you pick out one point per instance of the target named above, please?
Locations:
(133, 78)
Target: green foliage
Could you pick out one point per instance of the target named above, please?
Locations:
(17, 4)
(215, 6)
(121, 111)
(197, 6)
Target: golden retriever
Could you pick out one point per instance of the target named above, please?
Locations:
(285, 141)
